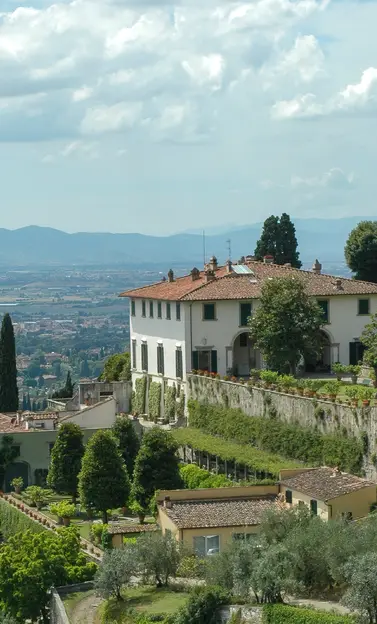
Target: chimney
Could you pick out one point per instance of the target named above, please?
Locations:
(195, 274)
(317, 267)
(241, 260)
(228, 266)
(170, 275)
(167, 502)
(287, 264)
(209, 275)
(338, 284)
(268, 259)
(213, 263)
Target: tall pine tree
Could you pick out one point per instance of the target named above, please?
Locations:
(278, 239)
(8, 368)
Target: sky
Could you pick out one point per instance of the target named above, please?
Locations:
(159, 116)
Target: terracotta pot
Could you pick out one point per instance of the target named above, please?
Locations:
(124, 511)
(366, 402)
(66, 521)
(17, 489)
(355, 402)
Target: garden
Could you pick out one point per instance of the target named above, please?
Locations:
(335, 390)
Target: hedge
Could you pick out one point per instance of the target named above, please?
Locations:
(283, 614)
(255, 459)
(13, 521)
(170, 403)
(154, 401)
(273, 435)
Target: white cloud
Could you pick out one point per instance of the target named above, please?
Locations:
(304, 62)
(354, 98)
(110, 118)
(334, 178)
(80, 95)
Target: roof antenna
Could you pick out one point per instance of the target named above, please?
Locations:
(204, 248)
(229, 243)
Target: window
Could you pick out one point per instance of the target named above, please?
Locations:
(245, 312)
(347, 515)
(133, 307)
(209, 312)
(50, 447)
(178, 363)
(243, 340)
(144, 356)
(356, 352)
(168, 311)
(206, 545)
(159, 310)
(288, 497)
(143, 308)
(178, 311)
(313, 507)
(205, 360)
(134, 354)
(363, 306)
(324, 305)
(160, 359)
(151, 309)
(16, 448)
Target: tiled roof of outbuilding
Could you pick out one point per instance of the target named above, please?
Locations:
(325, 483)
(248, 285)
(219, 513)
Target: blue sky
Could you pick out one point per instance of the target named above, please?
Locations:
(160, 116)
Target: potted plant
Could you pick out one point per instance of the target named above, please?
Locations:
(269, 377)
(332, 389)
(255, 374)
(365, 394)
(286, 382)
(339, 370)
(18, 484)
(353, 394)
(64, 512)
(354, 370)
(36, 495)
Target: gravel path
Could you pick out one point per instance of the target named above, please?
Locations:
(320, 605)
(85, 610)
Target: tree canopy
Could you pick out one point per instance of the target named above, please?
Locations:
(369, 340)
(8, 453)
(278, 239)
(8, 368)
(117, 368)
(30, 563)
(128, 440)
(67, 391)
(286, 325)
(361, 251)
(66, 457)
(103, 480)
(156, 467)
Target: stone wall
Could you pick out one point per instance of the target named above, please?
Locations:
(326, 416)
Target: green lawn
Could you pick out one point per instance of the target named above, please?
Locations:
(142, 599)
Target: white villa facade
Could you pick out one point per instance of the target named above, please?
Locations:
(199, 321)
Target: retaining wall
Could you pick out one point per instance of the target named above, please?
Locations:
(326, 416)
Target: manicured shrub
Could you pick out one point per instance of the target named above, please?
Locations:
(283, 614)
(154, 401)
(13, 521)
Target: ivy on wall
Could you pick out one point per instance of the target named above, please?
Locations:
(139, 398)
(272, 435)
(180, 410)
(154, 402)
(170, 403)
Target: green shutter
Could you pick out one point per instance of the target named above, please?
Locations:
(213, 361)
(353, 353)
(245, 313)
(195, 360)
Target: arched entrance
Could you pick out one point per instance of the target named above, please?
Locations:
(245, 355)
(17, 469)
(323, 362)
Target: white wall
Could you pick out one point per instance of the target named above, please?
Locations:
(170, 332)
(101, 416)
(192, 332)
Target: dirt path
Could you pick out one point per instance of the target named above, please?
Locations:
(320, 605)
(84, 611)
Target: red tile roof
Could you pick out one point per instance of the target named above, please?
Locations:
(248, 285)
(325, 483)
(8, 424)
(117, 529)
(219, 513)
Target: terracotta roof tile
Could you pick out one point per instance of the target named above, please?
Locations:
(325, 483)
(116, 529)
(219, 513)
(8, 424)
(248, 286)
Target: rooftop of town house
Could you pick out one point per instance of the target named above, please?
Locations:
(325, 483)
(190, 514)
(124, 529)
(11, 423)
(244, 280)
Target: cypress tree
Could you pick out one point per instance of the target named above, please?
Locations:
(268, 244)
(288, 242)
(8, 368)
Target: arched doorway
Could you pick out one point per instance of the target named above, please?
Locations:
(245, 355)
(17, 469)
(323, 362)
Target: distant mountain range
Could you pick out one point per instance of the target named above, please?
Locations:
(30, 246)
